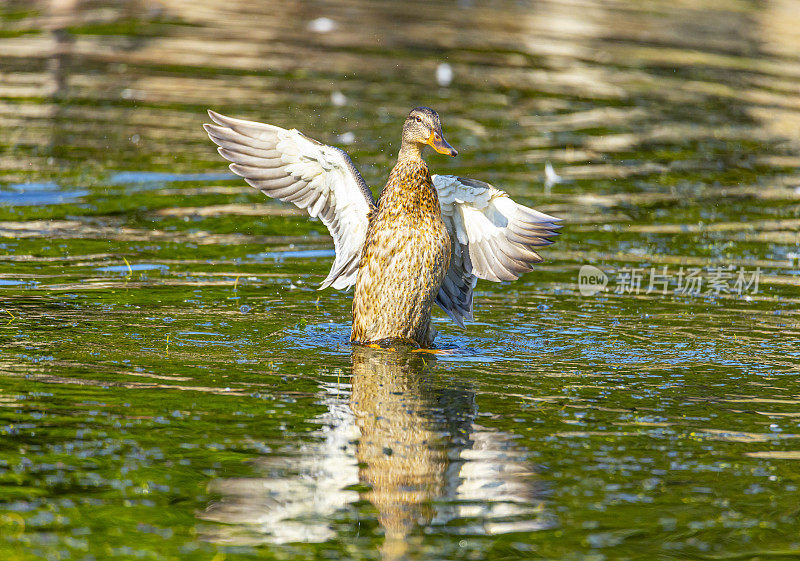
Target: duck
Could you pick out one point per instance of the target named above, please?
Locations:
(426, 240)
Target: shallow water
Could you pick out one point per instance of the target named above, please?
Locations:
(173, 386)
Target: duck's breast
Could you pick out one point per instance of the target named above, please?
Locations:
(405, 258)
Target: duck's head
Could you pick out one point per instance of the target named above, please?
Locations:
(423, 127)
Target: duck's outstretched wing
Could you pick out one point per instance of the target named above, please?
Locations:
(493, 239)
(322, 179)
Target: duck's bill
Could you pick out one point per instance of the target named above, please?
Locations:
(438, 143)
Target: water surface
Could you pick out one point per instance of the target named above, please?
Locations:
(173, 386)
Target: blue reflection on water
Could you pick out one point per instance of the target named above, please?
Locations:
(35, 194)
(299, 254)
(140, 177)
(132, 267)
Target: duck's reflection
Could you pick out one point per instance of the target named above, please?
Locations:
(411, 442)
(403, 448)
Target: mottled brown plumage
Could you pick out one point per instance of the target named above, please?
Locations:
(407, 250)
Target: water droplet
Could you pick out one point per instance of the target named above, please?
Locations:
(346, 138)
(338, 98)
(322, 25)
(444, 74)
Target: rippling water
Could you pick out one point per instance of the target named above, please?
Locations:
(174, 387)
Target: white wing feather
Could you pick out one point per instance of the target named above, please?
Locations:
(322, 179)
(493, 239)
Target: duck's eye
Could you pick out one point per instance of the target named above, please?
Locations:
(418, 119)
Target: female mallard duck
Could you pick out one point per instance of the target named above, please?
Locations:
(428, 239)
